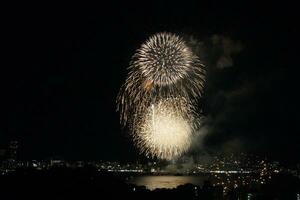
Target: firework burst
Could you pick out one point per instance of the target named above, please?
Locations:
(164, 76)
(163, 131)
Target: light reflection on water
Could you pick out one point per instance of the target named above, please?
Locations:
(153, 182)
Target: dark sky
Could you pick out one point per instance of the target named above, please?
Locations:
(63, 67)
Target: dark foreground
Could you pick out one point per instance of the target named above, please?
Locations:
(87, 183)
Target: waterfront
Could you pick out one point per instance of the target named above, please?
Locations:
(166, 181)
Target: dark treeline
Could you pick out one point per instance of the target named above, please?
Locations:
(87, 183)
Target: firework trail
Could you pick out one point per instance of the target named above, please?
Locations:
(157, 101)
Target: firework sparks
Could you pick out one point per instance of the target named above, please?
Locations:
(156, 102)
(163, 132)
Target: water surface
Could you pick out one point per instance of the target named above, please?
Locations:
(153, 182)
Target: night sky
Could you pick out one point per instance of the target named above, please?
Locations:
(63, 67)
